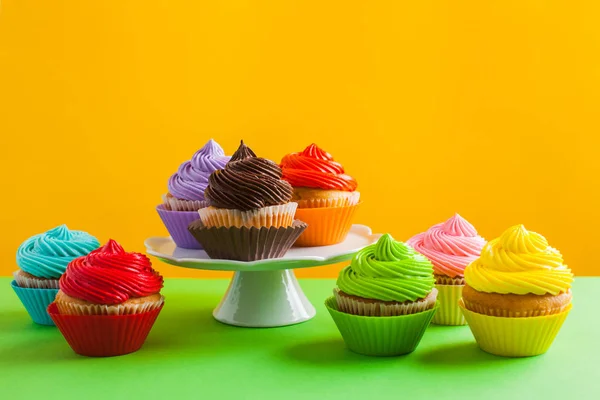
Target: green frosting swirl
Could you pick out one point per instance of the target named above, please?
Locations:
(388, 271)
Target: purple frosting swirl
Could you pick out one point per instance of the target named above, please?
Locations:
(190, 180)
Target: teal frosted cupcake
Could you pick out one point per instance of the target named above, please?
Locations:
(42, 259)
(385, 299)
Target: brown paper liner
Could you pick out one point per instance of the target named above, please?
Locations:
(496, 312)
(373, 308)
(272, 216)
(174, 204)
(246, 244)
(446, 280)
(26, 280)
(139, 306)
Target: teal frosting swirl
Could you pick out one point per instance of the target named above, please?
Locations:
(47, 255)
(388, 271)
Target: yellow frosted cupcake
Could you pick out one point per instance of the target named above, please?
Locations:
(517, 294)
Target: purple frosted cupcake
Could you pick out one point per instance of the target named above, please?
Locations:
(186, 193)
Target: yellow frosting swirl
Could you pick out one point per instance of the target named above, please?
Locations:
(519, 262)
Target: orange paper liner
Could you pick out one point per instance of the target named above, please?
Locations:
(351, 200)
(326, 226)
(273, 216)
(355, 306)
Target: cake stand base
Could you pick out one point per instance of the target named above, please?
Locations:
(261, 299)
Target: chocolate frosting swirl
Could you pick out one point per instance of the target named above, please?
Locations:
(247, 182)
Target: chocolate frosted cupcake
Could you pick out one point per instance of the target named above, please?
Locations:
(251, 216)
(186, 193)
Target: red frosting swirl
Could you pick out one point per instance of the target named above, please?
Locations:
(315, 168)
(110, 275)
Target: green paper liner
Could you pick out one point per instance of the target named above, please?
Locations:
(449, 312)
(514, 337)
(380, 336)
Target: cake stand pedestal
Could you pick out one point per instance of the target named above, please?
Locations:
(264, 293)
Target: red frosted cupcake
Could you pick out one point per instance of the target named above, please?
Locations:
(108, 301)
(327, 197)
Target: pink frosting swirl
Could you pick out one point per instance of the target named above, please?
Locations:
(450, 246)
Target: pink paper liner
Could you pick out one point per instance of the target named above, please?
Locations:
(104, 335)
(177, 223)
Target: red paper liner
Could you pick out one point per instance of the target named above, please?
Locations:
(104, 335)
(246, 244)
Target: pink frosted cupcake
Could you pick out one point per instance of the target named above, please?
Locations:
(450, 246)
(186, 193)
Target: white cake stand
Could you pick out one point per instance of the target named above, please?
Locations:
(264, 293)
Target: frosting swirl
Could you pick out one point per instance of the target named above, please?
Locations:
(191, 179)
(47, 255)
(450, 246)
(519, 262)
(315, 168)
(109, 275)
(388, 271)
(247, 182)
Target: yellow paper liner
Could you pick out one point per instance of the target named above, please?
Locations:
(503, 313)
(34, 283)
(273, 216)
(514, 337)
(355, 306)
(449, 312)
(446, 280)
(326, 226)
(70, 308)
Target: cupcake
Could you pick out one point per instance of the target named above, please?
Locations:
(186, 193)
(327, 197)
(108, 301)
(450, 246)
(517, 294)
(385, 299)
(42, 259)
(251, 216)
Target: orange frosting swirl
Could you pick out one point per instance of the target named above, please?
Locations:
(315, 168)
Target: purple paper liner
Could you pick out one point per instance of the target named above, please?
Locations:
(177, 223)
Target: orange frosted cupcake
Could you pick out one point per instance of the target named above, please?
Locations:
(326, 196)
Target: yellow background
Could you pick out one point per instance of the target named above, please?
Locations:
(482, 107)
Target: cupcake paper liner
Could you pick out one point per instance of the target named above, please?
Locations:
(380, 336)
(326, 226)
(175, 204)
(246, 244)
(514, 337)
(355, 306)
(351, 200)
(277, 216)
(104, 335)
(36, 302)
(177, 223)
(503, 313)
(68, 308)
(449, 312)
(27, 282)
(446, 280)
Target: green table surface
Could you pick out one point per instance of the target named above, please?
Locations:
(189, 354)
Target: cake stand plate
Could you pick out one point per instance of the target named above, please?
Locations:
(264, 293)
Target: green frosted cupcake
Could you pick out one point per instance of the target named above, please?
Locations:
(385, 299)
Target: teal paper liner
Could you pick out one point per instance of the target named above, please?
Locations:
(36, 302)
